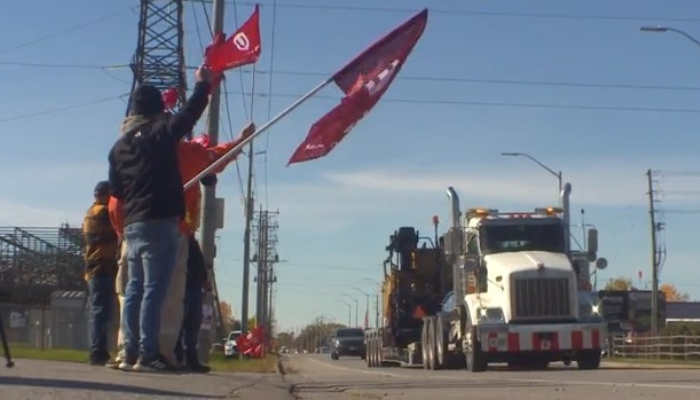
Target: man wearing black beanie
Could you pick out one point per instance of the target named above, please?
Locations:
(145, 176)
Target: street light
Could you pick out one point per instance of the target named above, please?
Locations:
(380, 291)
(349, 310)
(367, 306)
(663, 29)
(357, 305)
(541, 164)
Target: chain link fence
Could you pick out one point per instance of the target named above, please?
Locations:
(61, 325)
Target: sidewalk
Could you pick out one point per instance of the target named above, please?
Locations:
(33, 379)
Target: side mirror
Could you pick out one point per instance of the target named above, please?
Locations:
(592, 241)
(601, 263)
(471, 263)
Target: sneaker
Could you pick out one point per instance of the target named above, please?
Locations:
(121, 356)
(154, 364)
(127, 363)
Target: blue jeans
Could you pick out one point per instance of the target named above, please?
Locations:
(101, 296)
(151, 253)
(186, 349)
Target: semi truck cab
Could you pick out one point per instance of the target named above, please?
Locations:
(522, 300)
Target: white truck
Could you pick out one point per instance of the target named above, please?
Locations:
(519, 294)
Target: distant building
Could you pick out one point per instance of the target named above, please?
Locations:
(682, 312)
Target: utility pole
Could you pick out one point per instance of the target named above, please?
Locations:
(266, 242)
(249, 204)
(258, 257)
(654, 260)
(212, 208)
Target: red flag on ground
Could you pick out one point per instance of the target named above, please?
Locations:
(251, 344)
(241, 48)
(364, 80)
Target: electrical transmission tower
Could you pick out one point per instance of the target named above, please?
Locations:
(160, 57)
(265, 241)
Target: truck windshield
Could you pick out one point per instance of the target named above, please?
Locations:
(522, 237)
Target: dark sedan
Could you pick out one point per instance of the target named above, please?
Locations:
(348, 342)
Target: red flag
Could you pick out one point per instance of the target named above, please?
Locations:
(241, 48)
(364, 80)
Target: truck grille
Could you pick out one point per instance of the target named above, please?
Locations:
(541, 298)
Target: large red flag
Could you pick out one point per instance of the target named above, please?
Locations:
(364, 80)
(241, 48)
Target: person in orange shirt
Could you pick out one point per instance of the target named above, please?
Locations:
(193, 158)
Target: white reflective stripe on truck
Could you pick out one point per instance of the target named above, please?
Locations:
(542, 340)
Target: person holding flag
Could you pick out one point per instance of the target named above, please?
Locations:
(193, 156)
(144, 175)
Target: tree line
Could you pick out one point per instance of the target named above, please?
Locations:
(670, 291)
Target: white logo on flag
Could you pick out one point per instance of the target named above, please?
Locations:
(241, 41)
(382, 79)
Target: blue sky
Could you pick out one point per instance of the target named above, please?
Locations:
(336, 213)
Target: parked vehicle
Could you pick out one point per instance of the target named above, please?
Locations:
(230, 346)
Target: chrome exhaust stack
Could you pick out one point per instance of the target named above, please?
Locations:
(566, 206)
(454, 202)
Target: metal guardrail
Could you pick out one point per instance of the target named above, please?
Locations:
(660, 347)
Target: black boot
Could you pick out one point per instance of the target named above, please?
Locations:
(198, 368)
(193, 365)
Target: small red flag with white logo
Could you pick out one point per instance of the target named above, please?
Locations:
(241, 48)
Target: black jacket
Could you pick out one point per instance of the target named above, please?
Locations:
(143, 164)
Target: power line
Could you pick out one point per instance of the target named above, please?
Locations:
(474, 13)
(68, 30)
(579, 107)
(67, 66)
(424, 78)
(65, 108)
(686, 174)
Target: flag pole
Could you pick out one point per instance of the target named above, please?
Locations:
(260, 130)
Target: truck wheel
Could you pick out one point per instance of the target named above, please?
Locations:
(589, 359)
(442, 360)
(371, 352)
(432, 360)
(424, 343)
(474, 356)
(367, 357)
(378, 351)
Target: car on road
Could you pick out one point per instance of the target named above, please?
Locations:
(348, 342)
(231, 347)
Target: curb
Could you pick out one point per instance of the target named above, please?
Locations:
(648, 365)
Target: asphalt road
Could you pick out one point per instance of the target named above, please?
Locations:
(317, 377)
(38, 380)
